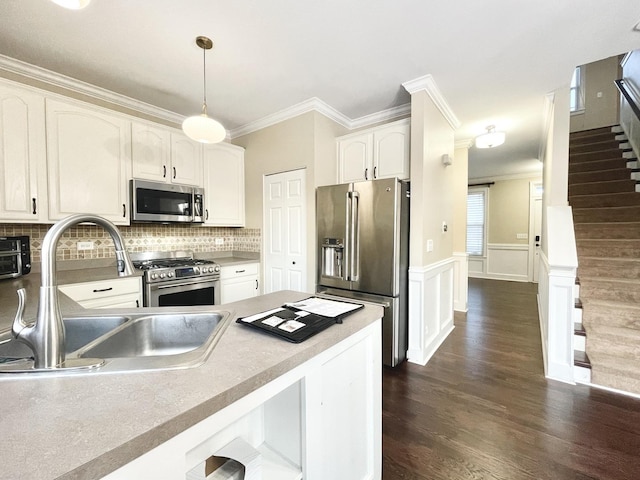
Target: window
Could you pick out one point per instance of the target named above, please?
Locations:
(576, 91)
(476, 208)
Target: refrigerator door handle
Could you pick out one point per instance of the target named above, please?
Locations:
(346, 260)
(354, 258)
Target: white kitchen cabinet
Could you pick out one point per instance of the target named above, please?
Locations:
(186, 160)
(88, 161)
(381, 152)
(321, 420)
(123, 292)
(23, 162)
(165, 155)
(150, 152)
(224, 185)
(238, 282)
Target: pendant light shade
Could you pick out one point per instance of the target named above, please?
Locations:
(72, 4)
(491, 138)
(202, 128)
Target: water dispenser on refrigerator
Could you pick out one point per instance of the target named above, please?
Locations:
(332, 257)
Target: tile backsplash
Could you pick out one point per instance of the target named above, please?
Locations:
(139, 238)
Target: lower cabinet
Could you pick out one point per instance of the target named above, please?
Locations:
(115, 293)
(238, 282)
(321, 420)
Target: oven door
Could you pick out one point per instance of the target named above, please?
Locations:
(183, 293)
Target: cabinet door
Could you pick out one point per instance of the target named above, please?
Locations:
(23, 176)
(186, 160)
(89, 162)
(239, 289)
(344, 414)
(391, 151)
(150, 152)
(355, 158)
(224, 185)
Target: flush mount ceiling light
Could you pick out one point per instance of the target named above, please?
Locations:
(72, 4)
(490, 139)
(202, 128)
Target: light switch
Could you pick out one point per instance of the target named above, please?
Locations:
(429, 245)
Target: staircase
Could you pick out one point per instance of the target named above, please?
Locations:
(604, 195)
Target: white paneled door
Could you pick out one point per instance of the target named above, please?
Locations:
(285, 225)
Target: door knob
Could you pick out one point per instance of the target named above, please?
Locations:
(293, 263)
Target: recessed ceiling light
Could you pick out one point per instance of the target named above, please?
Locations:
(72, 4)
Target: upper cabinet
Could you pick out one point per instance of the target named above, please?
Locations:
(23, 163)
(224, 185)
(186, 160)
(150, 152)
(89, 161)
(380, 152)
(165, 155)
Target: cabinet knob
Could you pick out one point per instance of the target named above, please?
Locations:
(293, 263)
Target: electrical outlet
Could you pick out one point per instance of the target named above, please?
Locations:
(429, 245)
(84, 245)
(219, 241)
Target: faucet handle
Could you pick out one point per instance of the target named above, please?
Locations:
(18, 322)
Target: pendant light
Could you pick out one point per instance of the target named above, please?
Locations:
(72, 4)
(491, 138)
(203, 128)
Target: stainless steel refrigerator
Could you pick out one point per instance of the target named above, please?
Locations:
(363, 252)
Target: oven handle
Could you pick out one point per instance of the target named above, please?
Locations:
(186, 284)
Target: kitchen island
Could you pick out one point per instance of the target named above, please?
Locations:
(312, 409)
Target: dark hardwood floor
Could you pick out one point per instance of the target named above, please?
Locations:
(482, 408)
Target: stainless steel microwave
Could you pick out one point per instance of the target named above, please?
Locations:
(15, 256)
(166, 203)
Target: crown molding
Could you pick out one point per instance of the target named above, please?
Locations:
(49, 77)
(40, 74)
(512, 176)
(464, 143)
(317, 105)
(428, 84)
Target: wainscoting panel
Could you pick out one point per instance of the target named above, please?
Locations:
(460, 281)
(504, 261)
(431, 294)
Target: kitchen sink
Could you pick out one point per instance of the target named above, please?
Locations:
(127, 343)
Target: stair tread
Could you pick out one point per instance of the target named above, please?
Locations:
(610, 304)
(578, 329)
(611, 280)
(581, 359)
(609, 259)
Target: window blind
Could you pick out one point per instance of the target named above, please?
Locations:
(475, 222)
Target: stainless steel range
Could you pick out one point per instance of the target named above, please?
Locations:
(176, 279)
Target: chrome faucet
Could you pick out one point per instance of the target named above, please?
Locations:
(46, 337)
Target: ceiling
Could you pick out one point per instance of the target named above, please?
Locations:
(493, 60)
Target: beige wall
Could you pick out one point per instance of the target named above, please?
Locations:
(599, 111)
(432, 184)
(460, 169)
(508, 212)
(306, 141)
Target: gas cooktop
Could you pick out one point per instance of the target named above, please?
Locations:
(167, 266)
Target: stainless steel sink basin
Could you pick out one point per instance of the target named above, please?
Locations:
(156, 335)
(80, 330)
(128, 342)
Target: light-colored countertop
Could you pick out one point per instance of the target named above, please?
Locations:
(86, 425)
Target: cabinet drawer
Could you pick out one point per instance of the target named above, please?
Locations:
(233, 271)
(81, 292)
